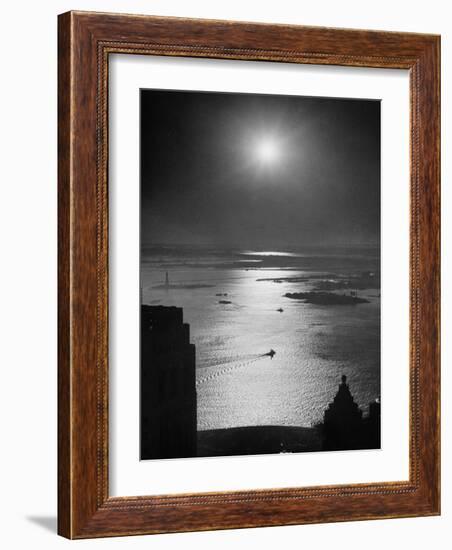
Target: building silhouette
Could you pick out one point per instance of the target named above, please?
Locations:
(168, 385)
(344, 426)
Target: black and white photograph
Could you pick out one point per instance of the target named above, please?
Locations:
(259, 274)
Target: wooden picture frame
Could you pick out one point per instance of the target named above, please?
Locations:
(85, 42)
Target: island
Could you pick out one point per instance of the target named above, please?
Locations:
(326, 298)
(362, 281)
(285, 279)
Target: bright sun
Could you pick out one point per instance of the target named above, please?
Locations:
(267, 151)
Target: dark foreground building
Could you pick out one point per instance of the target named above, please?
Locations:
(345, 427)
(168, 385)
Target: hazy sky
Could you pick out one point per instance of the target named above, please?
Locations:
(263, 171)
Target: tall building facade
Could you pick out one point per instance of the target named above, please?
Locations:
(168, 385)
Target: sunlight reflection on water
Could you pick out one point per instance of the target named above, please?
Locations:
(314, 344)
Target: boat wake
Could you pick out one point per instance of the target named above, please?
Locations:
(229, 369)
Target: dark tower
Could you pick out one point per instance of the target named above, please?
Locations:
(342, 425)
(168, 384)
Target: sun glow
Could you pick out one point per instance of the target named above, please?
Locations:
(267, 151)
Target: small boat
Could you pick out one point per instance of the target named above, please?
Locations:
(280, 310)
(270, 354)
